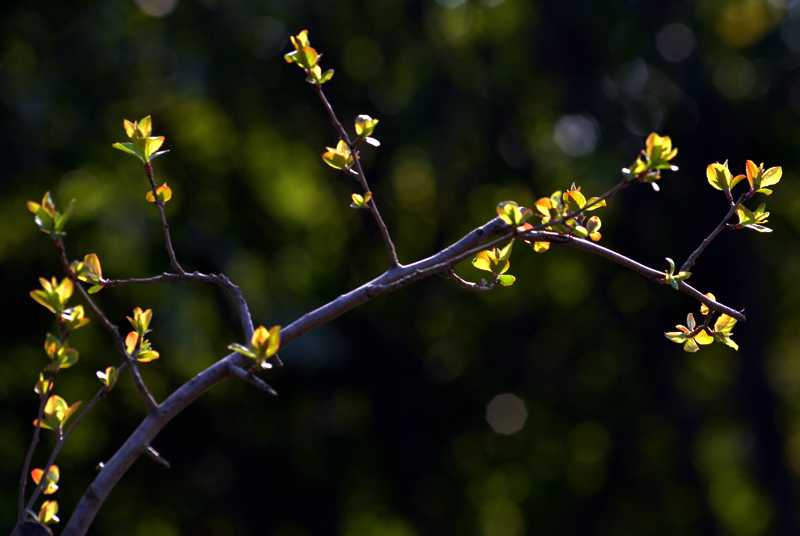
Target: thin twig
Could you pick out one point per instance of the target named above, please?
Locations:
(650, 273)
(362, 179)
(173, 260)
(119, 343)
(29, 457)
(722, 225)
(61, 440)
(470, 285)
(217, 279)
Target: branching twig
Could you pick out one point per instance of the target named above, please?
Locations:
(119, 343)
(362, 179)
(217, 279)
(469, 284)
(59, 445)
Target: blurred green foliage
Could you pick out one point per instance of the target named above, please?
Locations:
(387, 418)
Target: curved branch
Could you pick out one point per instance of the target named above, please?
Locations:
(216, 279)
(140, 439)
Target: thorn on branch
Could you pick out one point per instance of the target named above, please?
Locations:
(155, 456)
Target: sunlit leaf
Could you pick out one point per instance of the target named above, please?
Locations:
(719, 176)
(506, 280)
(365, 125)
(130, 342)
(48, 511)
(574, 200)
(483, 261)
(164, 193)
(512, 214)
(771, 176)
(50, 481)
(43, 386)
(703, 307)
(108, 377)
(145, 356)
(703, 338)
(660, 151)
(677, 336)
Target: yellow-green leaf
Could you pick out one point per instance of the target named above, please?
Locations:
(719, 176)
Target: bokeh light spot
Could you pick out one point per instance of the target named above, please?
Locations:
(506, 414)
(157, 8)
(675, 42)
(735, 77)
(575, 135)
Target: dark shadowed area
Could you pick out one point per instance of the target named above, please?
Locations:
(555, 406)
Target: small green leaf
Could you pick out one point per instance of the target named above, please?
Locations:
(50, 480)
(677, 336)
(240, 348)
(48, 511)
(163, 192)
(127, 147)
(512, 214)
(690, 346)
(506, 280)
(365, 125)
(108, 377)
(574, 200)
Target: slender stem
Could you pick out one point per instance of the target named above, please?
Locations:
(650, 273)
(217, 279)
(34, 441)
(173, 260)
(470, 285)
(722, 225)
(119, 343)
(362, 179)
(59, 445)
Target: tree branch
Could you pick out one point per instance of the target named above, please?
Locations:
(650, 273)
(217, 279)
(493, 232)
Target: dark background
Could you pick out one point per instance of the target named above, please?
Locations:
(381, 424)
